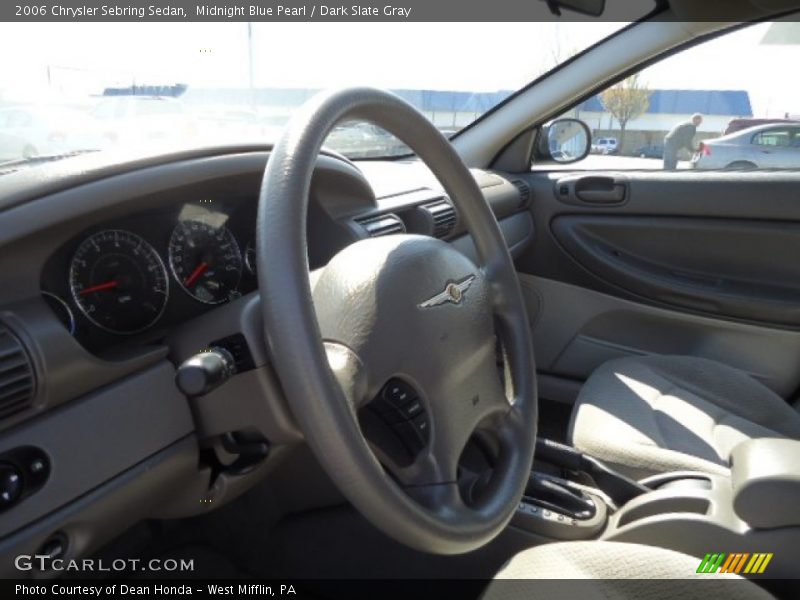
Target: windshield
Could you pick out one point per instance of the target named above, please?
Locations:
(92, 86)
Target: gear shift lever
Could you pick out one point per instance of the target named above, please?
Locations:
(553, 495)
(617, 486)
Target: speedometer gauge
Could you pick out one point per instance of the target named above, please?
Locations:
(118, 281)
(205, 260)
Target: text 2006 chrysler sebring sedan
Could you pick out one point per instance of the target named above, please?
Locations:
(447, 342)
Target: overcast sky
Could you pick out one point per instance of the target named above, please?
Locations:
(85, 57)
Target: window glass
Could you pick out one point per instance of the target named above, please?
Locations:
(203, 83)
(108, 110)
(713, 106)
(19, 118)
(773, 137)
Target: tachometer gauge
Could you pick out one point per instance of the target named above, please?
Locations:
(205, 260)
(118, 281)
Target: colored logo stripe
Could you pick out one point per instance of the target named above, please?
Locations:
(711, 563)
(758, 563)
(735, 562)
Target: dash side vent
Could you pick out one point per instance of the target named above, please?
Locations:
(524, 191)
(17, 382)
(384, 225)
(443, 215)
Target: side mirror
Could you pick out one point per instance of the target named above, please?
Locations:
(564, 141)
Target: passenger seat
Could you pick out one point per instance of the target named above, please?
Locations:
(654, 414)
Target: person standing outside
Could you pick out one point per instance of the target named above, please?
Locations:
(681, 136)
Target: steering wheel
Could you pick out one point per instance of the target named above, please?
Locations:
(396, 318)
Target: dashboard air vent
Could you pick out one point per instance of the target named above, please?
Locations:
(524, 192)
(16, 375)
(443, 215)
(383, 225)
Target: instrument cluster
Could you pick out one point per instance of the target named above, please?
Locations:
(129, 277)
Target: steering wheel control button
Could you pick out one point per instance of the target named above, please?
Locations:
(392, 414)
(420, 423)
(398, 393)
(397, 401)
(400, 408)
(412, 409)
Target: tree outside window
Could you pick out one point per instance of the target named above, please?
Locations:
(627, 100)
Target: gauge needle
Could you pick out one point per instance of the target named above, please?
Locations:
(108, 285)
(199, 270)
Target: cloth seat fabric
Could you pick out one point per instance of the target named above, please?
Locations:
(655, 414)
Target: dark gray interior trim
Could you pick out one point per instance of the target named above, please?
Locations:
(103, 512)
(94, 439)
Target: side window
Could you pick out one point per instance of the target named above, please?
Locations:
(724, 104)
(773, 137)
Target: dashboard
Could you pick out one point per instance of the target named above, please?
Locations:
(116, 270)
(129, 281)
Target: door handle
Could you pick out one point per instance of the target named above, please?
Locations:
(600, 190)
(617, 194)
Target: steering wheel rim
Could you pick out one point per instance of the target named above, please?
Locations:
(324, 342)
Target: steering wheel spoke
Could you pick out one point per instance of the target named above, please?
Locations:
(349, 371)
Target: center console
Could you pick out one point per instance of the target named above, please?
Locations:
(754, 512)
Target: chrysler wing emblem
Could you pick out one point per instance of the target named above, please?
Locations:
(453, 293)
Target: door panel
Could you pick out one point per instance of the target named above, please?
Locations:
(575, 330)
(689, 263)
(732, 267)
